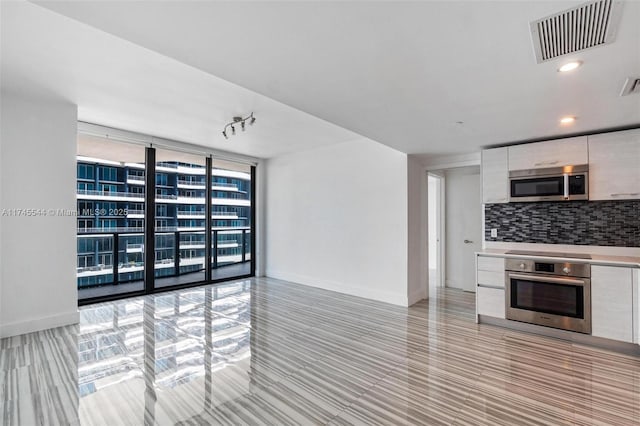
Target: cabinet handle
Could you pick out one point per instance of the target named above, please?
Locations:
(622, 194)
(546, 163)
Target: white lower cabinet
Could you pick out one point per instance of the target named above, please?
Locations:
(490, 286)
(612, 303)
(490, 302)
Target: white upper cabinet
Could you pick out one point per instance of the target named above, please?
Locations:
(495, 176)
(614, 165)
(612, 302)
(555, 153)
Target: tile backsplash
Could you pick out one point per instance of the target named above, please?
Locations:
(600, 223)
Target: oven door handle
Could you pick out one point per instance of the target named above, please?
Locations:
(565, 281)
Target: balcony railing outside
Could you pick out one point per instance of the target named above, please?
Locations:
(191, 182)
(138, 196)
(224, 185)
(126, 246)
(201, 215)
(166, 197)
(168, 165)
(134, 195)
(103, 231)
(110, 193)
(190, 213)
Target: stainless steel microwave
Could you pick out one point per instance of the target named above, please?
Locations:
(566, 183)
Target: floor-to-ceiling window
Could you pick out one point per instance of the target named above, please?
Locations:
(195, 211)
(231, 219)
(180, 227)
(110, 208)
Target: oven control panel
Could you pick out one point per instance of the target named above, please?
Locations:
(582, 270)
(545, 267)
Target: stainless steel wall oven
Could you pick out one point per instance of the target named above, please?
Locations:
(554, 294)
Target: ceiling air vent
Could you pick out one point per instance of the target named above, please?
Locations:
(588, 25)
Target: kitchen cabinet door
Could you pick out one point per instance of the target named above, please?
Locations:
(554, 153)
(614, 165)
(490, 302)
(612, 302)
(490, 271)
(495, 176)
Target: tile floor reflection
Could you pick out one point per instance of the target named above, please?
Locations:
(262, 351)
(168, 358)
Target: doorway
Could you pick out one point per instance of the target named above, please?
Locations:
(463, 226)
(435, 204)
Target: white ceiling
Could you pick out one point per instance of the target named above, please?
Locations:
(120, 84)
(400, 73)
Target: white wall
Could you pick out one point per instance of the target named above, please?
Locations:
(38, 171)
(336, 218)
(418, 269)
(1, 204)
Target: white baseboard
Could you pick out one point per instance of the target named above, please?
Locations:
(39, 324)
(417, 296)
(399, 298)
(455, 285)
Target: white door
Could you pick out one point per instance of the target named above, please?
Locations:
(463, 208)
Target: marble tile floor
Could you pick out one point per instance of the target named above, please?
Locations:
(263, 351)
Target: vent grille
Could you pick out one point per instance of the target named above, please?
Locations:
(589, 25)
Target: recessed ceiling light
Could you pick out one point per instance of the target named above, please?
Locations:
(570, 66)
(567, 120)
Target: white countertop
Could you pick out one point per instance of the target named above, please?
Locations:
(596, 259)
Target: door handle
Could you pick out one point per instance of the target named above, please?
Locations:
(468, 241)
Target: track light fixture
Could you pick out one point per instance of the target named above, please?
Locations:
(238, 120)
